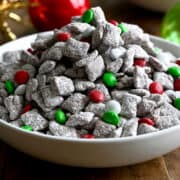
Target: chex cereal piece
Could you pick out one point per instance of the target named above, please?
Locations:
(163, 122)
(29, 58)
(77, 28)
(14, 105)
(95, 68)
(130, 128)
(157, 64)
(61, 130)
(103, 130)
(47, 67)
(20, 90)
(75, 103)
(31, 87)
(165, 79)
(11, 57)
(145, 107)
(76, 49)
(99, 16)
(166, 109)
(97, 108)
(63, 85)
(118, 94)
(54, 53)
(114, 66)
(141, 79)
(140, 92)
(75, 72)
(118, 52)
(37, 97)
(129, 60)
(42, 41)
(97, 36)
(90, 57)
(50, 98)
(42, 80)
(129, 105)
(35, 120)
(79, 120)
(139, 51)
(125, 82)
(145, 128)
(83, 85)
(111, 36)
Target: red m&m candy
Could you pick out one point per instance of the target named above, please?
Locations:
(26, 108)
(88, 136)
(147, 121)
(178, 62)
(139, 62)
(156, 88)
(177, 84)
(96, 96)
(21, 77)
(114, 22)
(63, 36)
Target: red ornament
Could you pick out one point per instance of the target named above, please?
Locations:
(88, 136)
(156, 88)
(21, 77)
(139, 62)
(96, 96)
(178, 62)
(50, 14)
(26, 108)
(147, 121)
(114, 22)
(64, 36)
(177, 84)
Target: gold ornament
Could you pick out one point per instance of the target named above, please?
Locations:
(6, 13)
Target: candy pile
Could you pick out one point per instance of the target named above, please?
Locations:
(91, 79)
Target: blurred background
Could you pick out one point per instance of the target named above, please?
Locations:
(16, 20)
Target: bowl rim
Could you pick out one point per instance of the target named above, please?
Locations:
(83, 140)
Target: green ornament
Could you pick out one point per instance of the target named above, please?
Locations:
(60, 117)
(111, 117)
(109, 79)
(170, 28)
(9, 86)
(174, 71)
(177, 103)
(27, 128)
(88, 16)
(123, 28)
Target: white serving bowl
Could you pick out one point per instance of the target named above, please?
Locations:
(96, 152)
(158, 5)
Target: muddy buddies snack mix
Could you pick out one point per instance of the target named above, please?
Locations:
(92, 78)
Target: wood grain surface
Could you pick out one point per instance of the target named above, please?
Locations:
(15, 165)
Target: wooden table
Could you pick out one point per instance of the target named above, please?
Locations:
(15, 165)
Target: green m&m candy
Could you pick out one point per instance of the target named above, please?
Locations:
(174, 71)
(123, 28)
(109, 79)
(27, 128)
(177, 103)
(9, 86)
(60, 117)
(88, 16)
(111, 117)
